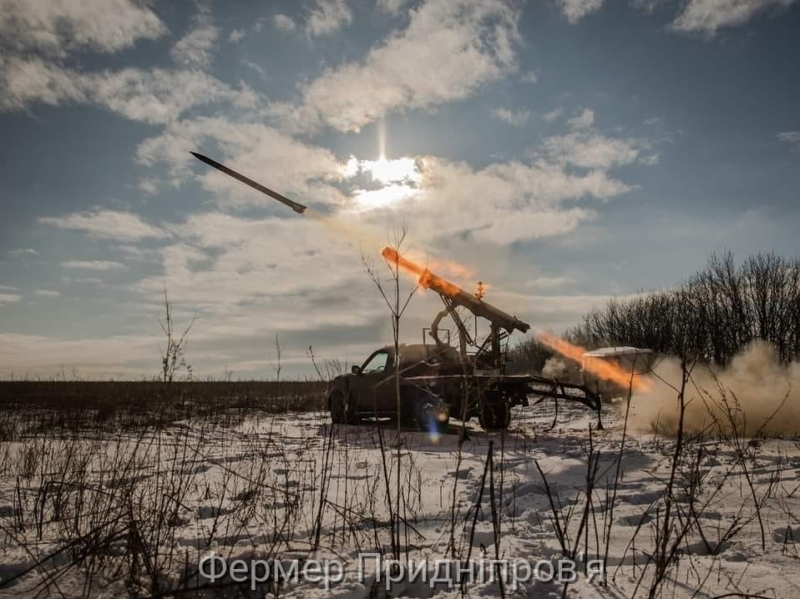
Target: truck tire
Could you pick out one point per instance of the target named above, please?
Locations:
(341, 407)
(495, 415)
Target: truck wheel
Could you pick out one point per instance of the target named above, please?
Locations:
(431, 414)
(495, 415)
(341, 406)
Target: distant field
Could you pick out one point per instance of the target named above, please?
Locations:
(32, 406)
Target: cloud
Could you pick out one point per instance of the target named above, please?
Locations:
(502, 203)
(194, 49)
(592, 150)
(236, 36)
(529, 77)
(448, 51)
(129, 355)
(284, 23)
(515, 118)
(536, 225)
(706, 17)
(107, 224)
(148, 186)
(575, 10)
(279, 161)
(647, 6)
(56, 27)
(47, 293)
(790, 137)
(98, 265)
(26, 81)
(391, 6)
(20, 252)
(9, 298)
(583, 120)
(553, 114)
(299, 274)
(155, 96)
(327, 17)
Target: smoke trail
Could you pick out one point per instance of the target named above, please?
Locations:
(755, 393)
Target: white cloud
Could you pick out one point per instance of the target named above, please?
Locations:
(135, 252)
(708, 16)
(647, 6)
(236, 36)
(82, 280)
(156, 96)
(391, 6)
(449, 49)
(511, 228)
(194, 49)
(515, 118)
(9, 298)
(575, 10)
(148, 186)
(583, 120)
(98, 357)
(790, 137)
(58, 26)
(592, 150)
(504, 202)
(553, 114)
(19, 252)
(98, 265)
(529, 77)
(107, 224)
(284, 23)
(47, 293)
(160, 96)
(327, 17)
(25, 81)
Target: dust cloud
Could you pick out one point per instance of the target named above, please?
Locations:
(556, 368)
(754, 395)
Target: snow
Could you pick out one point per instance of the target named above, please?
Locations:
(142, 509)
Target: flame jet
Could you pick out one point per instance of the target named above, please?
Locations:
(455, 294)
(299, 208)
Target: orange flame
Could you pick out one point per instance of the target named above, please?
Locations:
(426, 279)
(601, 368)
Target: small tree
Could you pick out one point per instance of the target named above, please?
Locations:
(397, 307)
(173, 357)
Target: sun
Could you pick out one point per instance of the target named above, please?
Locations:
(397, 178)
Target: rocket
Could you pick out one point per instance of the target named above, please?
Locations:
(299, 208)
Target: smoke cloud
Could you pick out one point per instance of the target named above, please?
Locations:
(754, 395)
(555, 368)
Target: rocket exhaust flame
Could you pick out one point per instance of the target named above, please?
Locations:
(457, 296)
(603, 369)
(426, 279)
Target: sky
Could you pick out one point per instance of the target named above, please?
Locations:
(560, 151)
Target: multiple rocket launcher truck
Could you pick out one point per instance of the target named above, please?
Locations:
(430, 382)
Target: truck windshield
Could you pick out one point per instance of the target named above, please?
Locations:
(376, 363)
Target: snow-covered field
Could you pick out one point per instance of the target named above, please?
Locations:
(136, 514)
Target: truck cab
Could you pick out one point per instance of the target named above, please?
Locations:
(370, 390)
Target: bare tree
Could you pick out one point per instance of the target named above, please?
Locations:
(173, 356)
(277, 365)
(390, 291)
(714, 314)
